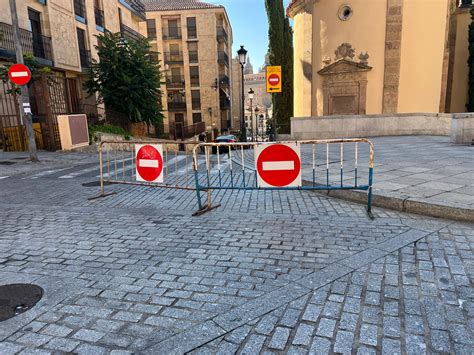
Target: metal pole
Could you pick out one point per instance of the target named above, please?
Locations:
(24, 99)
(243, 132)
(251, 120)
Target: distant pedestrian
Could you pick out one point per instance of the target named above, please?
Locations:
(202, 139)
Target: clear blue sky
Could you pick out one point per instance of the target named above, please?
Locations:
(250, 27)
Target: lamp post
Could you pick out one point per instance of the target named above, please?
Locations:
(256, 122)
(242, 53)
(262, 132)
(251, 92)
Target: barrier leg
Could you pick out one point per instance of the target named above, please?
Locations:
(102, 188)
(208, 207)
(369, 194)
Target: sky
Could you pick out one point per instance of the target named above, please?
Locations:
(250, 27)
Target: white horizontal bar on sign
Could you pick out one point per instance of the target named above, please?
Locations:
(19, 74)
(148, 163)
(278, 165)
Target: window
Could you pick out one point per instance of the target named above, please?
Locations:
(345, 13)
(176, 75)
(151, 28)
(194, 73)
(35, 25)
(99, 15)
(193, 52)
(173, 28)
(192, 30)
(80, 10)
(197, 117)
(84, 54)
(196, 99)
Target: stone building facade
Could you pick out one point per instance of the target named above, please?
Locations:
(379, 57)
(61, 34)
(194, 42)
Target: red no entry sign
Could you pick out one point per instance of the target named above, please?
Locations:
(278, 165)
(274, 80)
(19, 74)
(149, 162)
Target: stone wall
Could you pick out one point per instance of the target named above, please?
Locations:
(326, 127)
(462, 128)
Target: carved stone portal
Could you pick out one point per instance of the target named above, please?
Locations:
(345, 87)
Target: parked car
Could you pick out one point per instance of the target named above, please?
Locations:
(230, 138)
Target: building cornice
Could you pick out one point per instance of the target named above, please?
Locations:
(299, 6)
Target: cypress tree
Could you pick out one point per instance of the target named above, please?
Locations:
(281, 53)
(470, 62)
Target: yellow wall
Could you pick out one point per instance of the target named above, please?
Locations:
(365, 31)
(303, 54)
(459, 95)
(423, 41)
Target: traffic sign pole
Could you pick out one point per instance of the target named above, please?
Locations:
(24, 100)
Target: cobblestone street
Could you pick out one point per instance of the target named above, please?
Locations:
(291, 272)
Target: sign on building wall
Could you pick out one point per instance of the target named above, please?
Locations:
(273, 79)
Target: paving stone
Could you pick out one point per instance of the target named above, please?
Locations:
(303, 335)
(88, 335)
(368, 334)
(279, 338)
(326, 327)
(343, 342)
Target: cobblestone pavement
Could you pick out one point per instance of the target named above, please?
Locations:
(277, 272)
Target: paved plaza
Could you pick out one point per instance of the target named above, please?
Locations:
(267, 272)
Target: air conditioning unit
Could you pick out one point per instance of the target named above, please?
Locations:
(73, 131)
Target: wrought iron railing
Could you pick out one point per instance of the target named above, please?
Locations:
(175, 81)
(99, 17)
(173, 57)
(177, 105)
(221, 34)
(172, 33)
(223, 58)
(129, 33)
(32, 43)
(224, 103)
(136, 6)
(224, 80)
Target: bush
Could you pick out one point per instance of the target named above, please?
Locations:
(107, 128)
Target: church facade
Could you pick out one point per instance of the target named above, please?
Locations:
(380, 57)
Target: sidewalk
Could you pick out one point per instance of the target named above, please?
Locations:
(421, 174)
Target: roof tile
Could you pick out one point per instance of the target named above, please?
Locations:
(168, 5)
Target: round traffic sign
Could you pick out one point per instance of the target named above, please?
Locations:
(278, 165)
(273, 79)
(19, 74)
(149, 162)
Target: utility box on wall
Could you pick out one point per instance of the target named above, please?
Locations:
(73, 131)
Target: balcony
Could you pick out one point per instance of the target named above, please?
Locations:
(85, 58)
(222, 34)
(193, 57)
(129, 33)
(180, 131)
(136, 7)
(175, 81)
(224, 103)
(224, 81)
(99, 17)
(177, 105)
(173, 57)
(172, 33)
(223, 58)
(31, 43)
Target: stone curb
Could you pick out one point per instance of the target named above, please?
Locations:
(408, 205)
(211, 329)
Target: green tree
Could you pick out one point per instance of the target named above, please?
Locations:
(280, 51)
(35, 68)
(470, 62)
(127, 79)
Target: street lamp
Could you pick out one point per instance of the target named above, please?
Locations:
(242, 53)
(256, 122)
(251, 92)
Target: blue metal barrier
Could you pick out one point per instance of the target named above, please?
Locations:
(234, 175)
